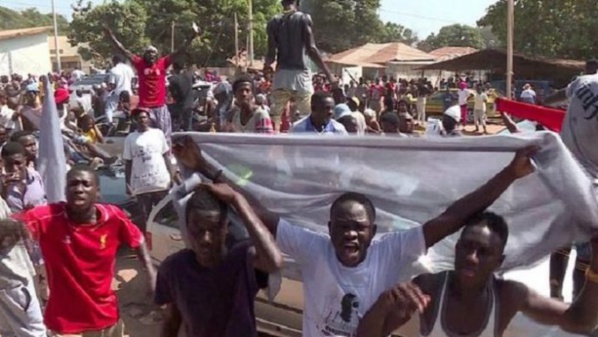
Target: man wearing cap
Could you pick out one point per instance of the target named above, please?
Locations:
(151, 71)
(290, 43)
(450, 122)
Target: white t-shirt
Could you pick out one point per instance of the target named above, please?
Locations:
(6, 115)
(77, 74)
(463, 96)
(480, 101)
(337, 297)
(148, 169)
(123, 75)
(580, 128)
(85, 104)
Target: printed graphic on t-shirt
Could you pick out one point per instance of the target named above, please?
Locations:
(342, 318)
(588, 100)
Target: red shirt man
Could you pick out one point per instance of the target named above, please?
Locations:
(152, 81)
(79, 240)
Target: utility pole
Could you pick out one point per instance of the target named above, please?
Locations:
(57, 54)
(172, 37)
(250, 51)
(510, 38)
(236, 41)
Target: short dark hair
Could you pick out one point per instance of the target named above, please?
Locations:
(117, 58)
(241, 80)
(493, 221)
(82, 168)
(390, 118)
(20, 134)
(319, 97)
(12, 148)
(203, 200)
(358, 198)
(177, 66)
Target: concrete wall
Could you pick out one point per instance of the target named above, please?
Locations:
(25, 55)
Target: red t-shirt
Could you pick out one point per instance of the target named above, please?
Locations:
(152, 81)
(80, 262)
(376, 91)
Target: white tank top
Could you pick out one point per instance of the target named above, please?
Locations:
(439, 329)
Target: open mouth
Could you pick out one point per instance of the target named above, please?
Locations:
(351, 248)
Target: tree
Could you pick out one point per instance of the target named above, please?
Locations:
(394, 32)
(126, 19)
(138, 22)
(551, 28)
(454, 36)
(30, 17)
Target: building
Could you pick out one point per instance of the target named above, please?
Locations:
(25, 51)
(69, 55)
(449, 53)
(393, 59)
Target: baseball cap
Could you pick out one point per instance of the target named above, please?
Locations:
(341, 110)
(454, 112)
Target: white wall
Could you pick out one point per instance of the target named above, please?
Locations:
(25, 54)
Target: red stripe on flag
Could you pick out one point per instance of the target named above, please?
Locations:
(552, 119)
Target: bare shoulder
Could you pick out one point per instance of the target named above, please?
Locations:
(512, 294)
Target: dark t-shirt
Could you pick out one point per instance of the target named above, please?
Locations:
(288, 32)
(181, 87)
(216, 302)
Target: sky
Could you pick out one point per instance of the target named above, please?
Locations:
(422, 16)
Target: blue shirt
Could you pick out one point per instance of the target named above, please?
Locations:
(332, 127)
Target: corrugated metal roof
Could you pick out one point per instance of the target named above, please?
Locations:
(449, 53)
(12, 33)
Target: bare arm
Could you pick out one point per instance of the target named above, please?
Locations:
(146, 261)
(268, 257)
(172, 321)
(117, 43)
(558, 97)
(457, 214)
(171, 169)
(183, 48)
(99, 134)
(312, 49)
(188, 154)
(272, 46)
(581, 317)
(128, 166)
(509, 123)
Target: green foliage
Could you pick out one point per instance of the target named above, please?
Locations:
(454, 36)
(31, 17)
(393, 32)
(551, 28)
(127, 20)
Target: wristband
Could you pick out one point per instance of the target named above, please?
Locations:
(591, 276)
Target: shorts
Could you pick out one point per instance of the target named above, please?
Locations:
(160, 118)
(584, 251)
(280, 98)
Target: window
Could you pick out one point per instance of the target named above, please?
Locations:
(168, 216)
(53, 51)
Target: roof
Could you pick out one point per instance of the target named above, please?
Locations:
(449, 53)
(13, 33)
(524, 66)
(377, 55)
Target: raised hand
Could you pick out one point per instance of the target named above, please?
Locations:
(188, 153)
(405, 299)
(522, 164)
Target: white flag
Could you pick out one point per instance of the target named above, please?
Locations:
(51, 161)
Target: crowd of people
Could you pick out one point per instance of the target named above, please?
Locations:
(57, 259)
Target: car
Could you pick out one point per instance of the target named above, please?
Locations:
(435, 103)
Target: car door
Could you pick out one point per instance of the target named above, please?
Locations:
(163, 234)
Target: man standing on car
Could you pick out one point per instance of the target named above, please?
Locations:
(151, 71)
(79, 240)
(290, 43)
